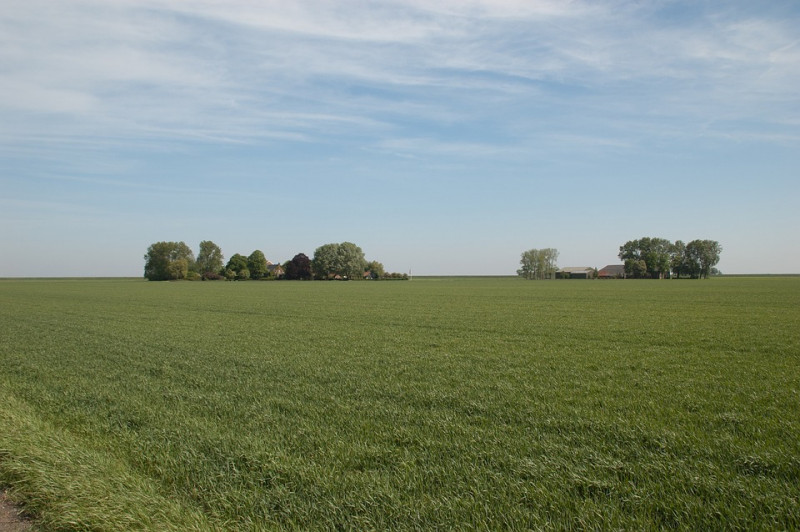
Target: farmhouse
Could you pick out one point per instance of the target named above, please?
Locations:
(575, 272)
(612, 271)
(276, 270)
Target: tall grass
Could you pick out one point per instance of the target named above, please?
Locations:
(436, 403)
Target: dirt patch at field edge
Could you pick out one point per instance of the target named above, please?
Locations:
(11, 519)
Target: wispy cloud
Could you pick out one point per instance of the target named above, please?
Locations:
(288, 71)
(216, 116)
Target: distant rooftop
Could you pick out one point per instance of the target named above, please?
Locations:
(576, 269)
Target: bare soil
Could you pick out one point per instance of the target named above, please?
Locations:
(11, 519)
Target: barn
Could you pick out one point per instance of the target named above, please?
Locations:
(575, 272)
(612, 271)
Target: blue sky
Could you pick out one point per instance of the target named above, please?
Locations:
(445, 137)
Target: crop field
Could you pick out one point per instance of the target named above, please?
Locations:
(431, 404)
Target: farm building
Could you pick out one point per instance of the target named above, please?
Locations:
(276, 270)
(612, 271)
(576, 272)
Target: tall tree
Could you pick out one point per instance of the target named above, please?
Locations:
(345, 260)
(538, 263)
(167, 261)
(691, 259)
(705, 254)
(549, 260)
(209, 258)
(657, 257)
(351, 261)
(325, 260)
(257, 264)
(527, 263)
(678, 259)
(712, 251)
(655, 252)
(299, 267)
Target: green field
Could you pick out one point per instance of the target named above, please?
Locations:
(436, 403)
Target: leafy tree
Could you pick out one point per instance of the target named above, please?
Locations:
(636, 269)
(658, 257)
(237, 263)
(691, 260)
(655, 252)
(549, 258)
(299, 267)
(178, 269)
(705, 254)
(375, 269)
(167, 260)
(538, 263)
(710, 258)
(351, 260)
(527, 262)
(345, 259)
(257, 264)
(678, 259)
(209, 258)
(324, 261)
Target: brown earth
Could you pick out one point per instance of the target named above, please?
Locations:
(11, 519)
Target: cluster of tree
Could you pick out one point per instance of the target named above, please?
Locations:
(175, 260)
(394, 275)
(652, 258)
(166, 261)
(695, 259)
(538, 264)
(657, 258)
(241, 268)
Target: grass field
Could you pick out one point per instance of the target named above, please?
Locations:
(435, 403)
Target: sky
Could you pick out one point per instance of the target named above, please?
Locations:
(443, 138)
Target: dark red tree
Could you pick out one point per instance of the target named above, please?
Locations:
(299, 267)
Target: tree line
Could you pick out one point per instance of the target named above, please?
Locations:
(165, 261)
(657, 258)
(645, 258)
